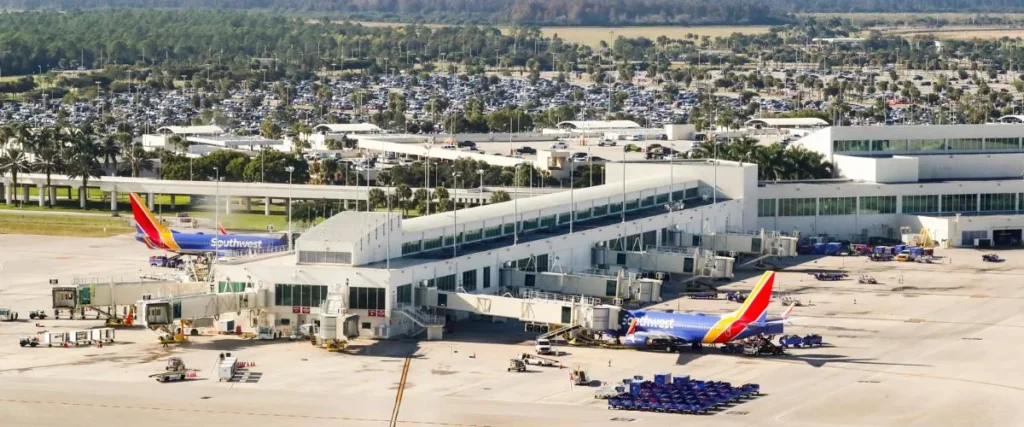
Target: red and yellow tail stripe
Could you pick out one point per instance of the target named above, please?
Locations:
(158, 234)
(731, 325)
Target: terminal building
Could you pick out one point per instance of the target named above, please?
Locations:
(558, 258)
(592, 243)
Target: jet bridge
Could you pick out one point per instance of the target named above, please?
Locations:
(534, 307)
(157, 313)
(105, 298)
(672, 260)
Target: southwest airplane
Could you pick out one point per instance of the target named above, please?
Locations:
(157, 236)
(647, 329)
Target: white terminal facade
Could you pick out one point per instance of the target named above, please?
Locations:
(960, 182)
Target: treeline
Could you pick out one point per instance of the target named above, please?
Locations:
(547, 12)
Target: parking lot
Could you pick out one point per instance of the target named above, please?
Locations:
(929, 345)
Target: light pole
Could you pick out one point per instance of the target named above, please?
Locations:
(216, 197)
(572, 195)
(290, 169)
(515, 211)
(481, 173)
(455, 215)
(426, 174)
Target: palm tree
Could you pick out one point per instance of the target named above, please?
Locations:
(500, 196)
(136, 159)
(46, 147)
(403, 193)
(110, 148)
(14, 161)
(83, 164)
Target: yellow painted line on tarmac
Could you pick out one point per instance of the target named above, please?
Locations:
(401, 390)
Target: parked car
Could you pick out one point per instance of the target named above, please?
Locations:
(606, 143)
(526, 150)
(559, 146)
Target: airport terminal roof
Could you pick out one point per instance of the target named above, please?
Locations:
(599, 124)
(192, 130)
(343, 227)
(349, 127)
(531, 204)
(791, 122)
(233, 140)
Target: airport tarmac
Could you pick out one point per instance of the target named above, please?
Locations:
(929, 345)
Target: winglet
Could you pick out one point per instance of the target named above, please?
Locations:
(788, 312)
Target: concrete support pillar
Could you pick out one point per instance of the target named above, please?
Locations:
(266, 206)
(42, 195)
(25, 193)
(149, 200)
(248, 204)
(83, 196)
(173, 205)
(7, 193)
(113, 199)
(227, 205)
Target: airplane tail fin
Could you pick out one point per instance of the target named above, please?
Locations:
(145, 221)
(755, 307)
(221, 230)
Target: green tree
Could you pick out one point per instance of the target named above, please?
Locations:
(377, 198)
(83, 163)
(12, 162)
(500, 196)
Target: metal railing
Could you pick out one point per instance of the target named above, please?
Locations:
(420, 317)
(560, 298)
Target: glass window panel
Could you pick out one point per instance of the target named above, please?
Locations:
(920, 204)
(871, 205)
(963, 144)
(925, 144)
(1002, 144)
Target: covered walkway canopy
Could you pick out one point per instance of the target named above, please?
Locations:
(598, 124)
(348, 128)
(800, 122)
(1012, 118)
(191, 130)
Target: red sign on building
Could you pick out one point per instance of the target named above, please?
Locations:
(305, 310)
(296, 309)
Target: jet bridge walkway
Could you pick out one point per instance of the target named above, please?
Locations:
(105, 297)
(533, 306)
(159, 313)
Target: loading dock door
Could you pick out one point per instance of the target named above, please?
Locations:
(1007, 238)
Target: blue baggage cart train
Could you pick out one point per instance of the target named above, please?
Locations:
(680, 395)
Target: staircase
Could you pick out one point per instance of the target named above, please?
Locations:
(420, 317)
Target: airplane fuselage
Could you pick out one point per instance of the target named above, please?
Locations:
(199, 243)
(691, 328)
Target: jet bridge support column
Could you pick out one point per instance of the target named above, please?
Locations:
(42, 195)
(227, 205)
(266, 206)
(149, 200)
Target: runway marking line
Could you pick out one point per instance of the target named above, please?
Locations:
(400, 392)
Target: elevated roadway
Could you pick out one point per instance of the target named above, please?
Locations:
(233, 190)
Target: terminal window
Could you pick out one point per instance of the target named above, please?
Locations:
(487, 277)
(299, 295)
(469, 280)
(920, 204)
(366, 298)
(798, 207)
(959, 203)
(766, 207)
(1002, 143)
(404, 294)
(446, 283)
(870, 205)
(837, 205)
(996, 202)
